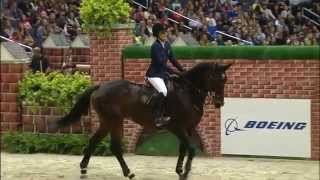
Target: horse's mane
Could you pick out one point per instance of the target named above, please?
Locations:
(199, 68)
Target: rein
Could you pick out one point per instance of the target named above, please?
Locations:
(198, 106)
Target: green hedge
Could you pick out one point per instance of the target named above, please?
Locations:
(162, 143)
(52, 89)
(231, 52)
(18, 142)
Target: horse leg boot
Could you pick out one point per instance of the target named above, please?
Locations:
(158, 110)
(182, 154)
(182, 150)
(191, 151)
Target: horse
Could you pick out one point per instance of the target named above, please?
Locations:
(113, 101)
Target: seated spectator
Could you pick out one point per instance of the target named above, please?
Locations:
(138, 15)
(148, 28)
(175, 5)
(29, 22)
(173, 33)
(212, 25)
(204, 40)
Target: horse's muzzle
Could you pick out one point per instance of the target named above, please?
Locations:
(218, 101)
(218, 105)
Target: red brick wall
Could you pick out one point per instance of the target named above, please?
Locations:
(105, 59)
(289, 79)
(10, 75)
(80, 55)
(70, 56)
(38, 121)
(56, 56)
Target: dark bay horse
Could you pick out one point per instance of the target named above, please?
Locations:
(116, 100)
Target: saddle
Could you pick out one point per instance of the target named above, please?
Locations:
(147, 91)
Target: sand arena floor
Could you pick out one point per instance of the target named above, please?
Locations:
(56, 167)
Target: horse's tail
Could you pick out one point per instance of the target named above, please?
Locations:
(78, 109)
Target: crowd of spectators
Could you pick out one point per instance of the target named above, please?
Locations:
(31, 21)
(263, 22)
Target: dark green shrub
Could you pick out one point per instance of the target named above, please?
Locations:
(53, 89)
(17, 142)
(162, 143)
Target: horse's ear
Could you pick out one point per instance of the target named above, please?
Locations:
(226, 66)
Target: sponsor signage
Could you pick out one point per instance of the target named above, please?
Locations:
(267, 127)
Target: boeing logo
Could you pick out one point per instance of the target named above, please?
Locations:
(231, 125)
(276, 125)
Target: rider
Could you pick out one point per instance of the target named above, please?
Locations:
(158, 72)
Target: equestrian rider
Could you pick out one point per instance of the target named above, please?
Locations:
(159, 71)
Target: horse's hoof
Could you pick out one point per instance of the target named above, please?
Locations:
(83, 176)
(185, 176)
(84, 171)
(181, 177)
(131, 176)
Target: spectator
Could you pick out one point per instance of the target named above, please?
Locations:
(267, 22)
(30, 22)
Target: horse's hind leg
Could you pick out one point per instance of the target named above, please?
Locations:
(93, 142)
(116, 149)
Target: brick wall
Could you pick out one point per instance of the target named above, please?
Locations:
(39, 119)
(56, 56)
(288, 79)
(105, 61)
(283, 79)
(10, 75)
(80, 55)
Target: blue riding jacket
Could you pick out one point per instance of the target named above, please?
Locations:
(159, 58)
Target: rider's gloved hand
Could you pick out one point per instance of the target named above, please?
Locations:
(175, 75)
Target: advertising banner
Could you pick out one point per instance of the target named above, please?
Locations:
(267, 127)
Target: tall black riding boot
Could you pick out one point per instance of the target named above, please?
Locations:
(158, 111)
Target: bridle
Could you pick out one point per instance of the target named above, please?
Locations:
(200, 92)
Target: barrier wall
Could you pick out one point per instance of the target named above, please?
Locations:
(38, 121)
(254, 77)
(11, 74)
(258, 72)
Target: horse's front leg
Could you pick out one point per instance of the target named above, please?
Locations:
(182, 154)
(191, 154)
(184, 144)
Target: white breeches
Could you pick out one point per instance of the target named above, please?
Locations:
(158, 84)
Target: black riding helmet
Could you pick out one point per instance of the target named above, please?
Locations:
(157, 28)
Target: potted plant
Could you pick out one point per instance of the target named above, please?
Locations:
(100, 16)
